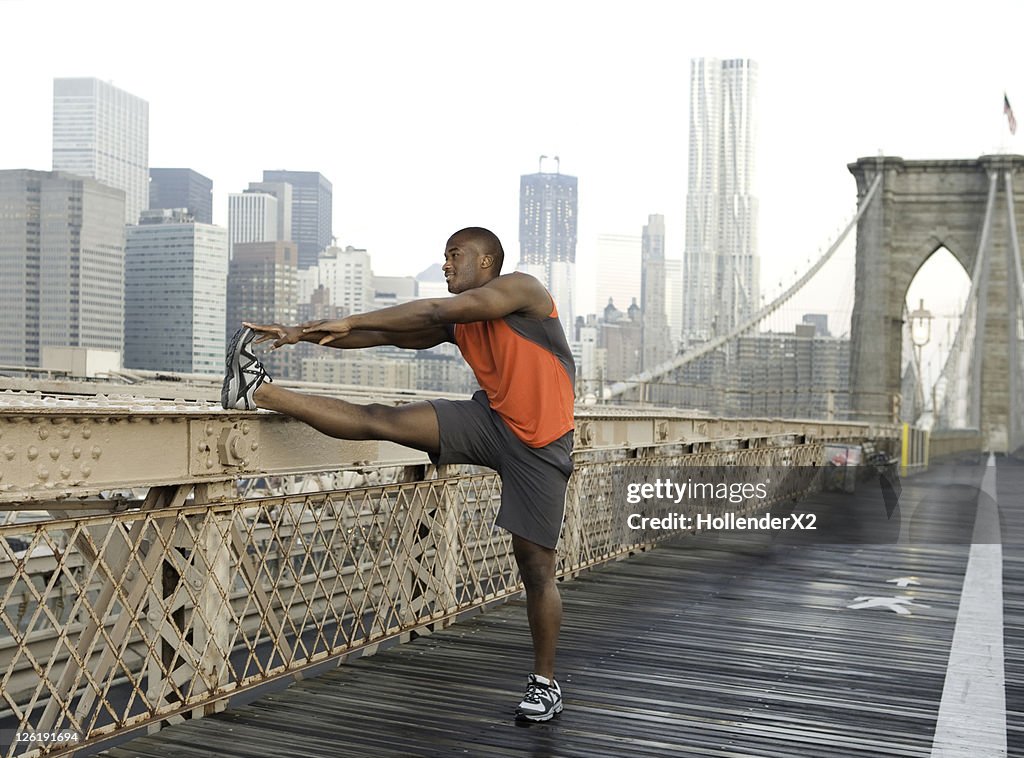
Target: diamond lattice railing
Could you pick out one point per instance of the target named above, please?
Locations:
(114, 621)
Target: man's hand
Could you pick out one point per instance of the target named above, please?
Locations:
(281, 334)
(327, 329)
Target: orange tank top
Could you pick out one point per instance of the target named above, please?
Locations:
(526, 368)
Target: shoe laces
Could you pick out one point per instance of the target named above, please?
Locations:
(533, 690)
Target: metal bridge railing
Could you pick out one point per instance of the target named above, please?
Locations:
(120, 621)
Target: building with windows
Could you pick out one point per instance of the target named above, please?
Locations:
(175, 280)
(312, 209)
(102, 132)
(548, 212)
(285, 199)
(721, 273)
(657, 344)
(182, 188)
(347, 276)
(252, 217)
(674, 299)
(263, 288)
(61, 265)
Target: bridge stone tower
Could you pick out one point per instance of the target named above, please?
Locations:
(919, 207)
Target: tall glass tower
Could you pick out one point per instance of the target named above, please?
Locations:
(176, 272)
(61, 265)
(312, 209)
(721, 267)
(657, 347)
(102, 132)
(548, 211)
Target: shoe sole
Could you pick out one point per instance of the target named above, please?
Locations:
(540, 718)
(232, 368)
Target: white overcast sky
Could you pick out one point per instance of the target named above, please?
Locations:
(424, 115)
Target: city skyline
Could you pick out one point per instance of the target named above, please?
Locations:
(413, 156)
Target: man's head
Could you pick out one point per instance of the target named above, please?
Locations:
(472, 257)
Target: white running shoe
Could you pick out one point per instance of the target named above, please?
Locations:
(543, 699)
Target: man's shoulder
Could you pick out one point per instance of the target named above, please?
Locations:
(519, 279)
(532, 296)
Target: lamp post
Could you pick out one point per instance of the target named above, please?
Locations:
(920, 335)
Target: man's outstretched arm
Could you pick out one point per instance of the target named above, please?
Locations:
(290, 335)
(512, 293)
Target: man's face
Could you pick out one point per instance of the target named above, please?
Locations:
(462, 269)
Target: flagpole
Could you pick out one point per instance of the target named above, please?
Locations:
(1011, 124)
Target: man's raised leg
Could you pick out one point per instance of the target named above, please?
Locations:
(413, 425)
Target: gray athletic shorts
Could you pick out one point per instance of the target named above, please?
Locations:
(533, 480)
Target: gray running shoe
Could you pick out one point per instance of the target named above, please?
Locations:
(243, 373)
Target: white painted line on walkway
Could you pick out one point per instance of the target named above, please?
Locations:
(972, 714)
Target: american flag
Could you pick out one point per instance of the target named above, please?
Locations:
(1009, 114)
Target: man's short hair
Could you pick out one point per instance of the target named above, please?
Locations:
(488, 242)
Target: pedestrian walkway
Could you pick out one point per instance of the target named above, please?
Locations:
(718, 645)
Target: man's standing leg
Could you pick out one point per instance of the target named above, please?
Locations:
(544, 614)
(543, 602)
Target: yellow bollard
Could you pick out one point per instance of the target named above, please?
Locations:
(905, 450)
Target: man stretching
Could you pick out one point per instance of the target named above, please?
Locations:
(520, 423)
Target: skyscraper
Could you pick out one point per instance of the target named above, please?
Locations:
(61, 264)
(262, 287)
(182, 188)
(283, 192)
(674, 299)
(252, 217)
(102, 132)
(721, 265)
(175, 281)
(657, 347)
(548, 211)
(311, 211)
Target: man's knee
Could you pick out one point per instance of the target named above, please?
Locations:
(536, 563)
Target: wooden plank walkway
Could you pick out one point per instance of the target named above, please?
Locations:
(710, 646)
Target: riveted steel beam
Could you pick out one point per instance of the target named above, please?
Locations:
(55, 449)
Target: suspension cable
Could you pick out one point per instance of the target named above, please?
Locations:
(691, 355)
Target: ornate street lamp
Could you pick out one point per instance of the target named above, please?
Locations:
(920, 335)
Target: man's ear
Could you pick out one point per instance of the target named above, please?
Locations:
(486, 261)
